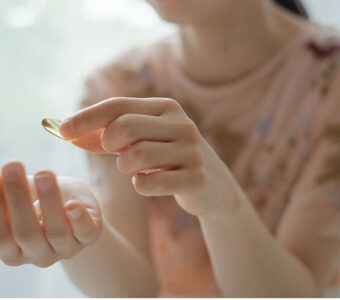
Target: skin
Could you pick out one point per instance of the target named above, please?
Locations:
(213, 41)
(160, 148)
(149, 134)
(70, 217)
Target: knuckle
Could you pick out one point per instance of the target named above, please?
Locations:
(126, 126)
(155, 185)
(171, 104)
(106, 141)
(190, 130)
(124, 121)
(122, 164)
(196, 157)
(143, 186)
(43, 259)
(45, 263)
(140, 153)
(163, 184)
(119, 103)
(94, 238)
(65, 251)
(88, 237)
(25, 236)
(6, 242)
(68, 254)
(72, 251)
(137, 153)
(12, 262)
(57, 236)
(199, 177)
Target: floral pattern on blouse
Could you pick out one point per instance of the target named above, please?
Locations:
(227, 143)
(271, 172)
(331, 170)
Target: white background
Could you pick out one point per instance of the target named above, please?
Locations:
(47, 48)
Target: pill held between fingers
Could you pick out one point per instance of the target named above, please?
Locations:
(53, 126)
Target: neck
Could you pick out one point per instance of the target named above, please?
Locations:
(229, 46)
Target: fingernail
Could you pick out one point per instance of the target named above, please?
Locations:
(133, 180)
(12, 171)
(74, 213)
(66, 127)
(44, 182)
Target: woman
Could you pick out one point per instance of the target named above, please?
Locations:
(229, 131)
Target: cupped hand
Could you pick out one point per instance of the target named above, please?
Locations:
(157, 142)
(70, 217)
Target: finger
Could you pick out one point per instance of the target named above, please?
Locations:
(151, 155)
(102, 114)
(24, 223)
(84, 228)
(9, 250)
(57, 230)
(126, 130)
(167, 182)
(91, 142)
(130, 128)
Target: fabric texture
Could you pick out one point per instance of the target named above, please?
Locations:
(277, 129)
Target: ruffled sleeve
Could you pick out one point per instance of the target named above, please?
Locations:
(127, 76)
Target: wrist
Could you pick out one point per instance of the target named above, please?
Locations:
(230, 204)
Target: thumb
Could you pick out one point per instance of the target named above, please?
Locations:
(86, 229)
(91, 142)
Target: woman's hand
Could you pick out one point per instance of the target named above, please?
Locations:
(70, 217)
(156, 134)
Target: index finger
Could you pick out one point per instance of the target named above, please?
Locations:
(100, 115)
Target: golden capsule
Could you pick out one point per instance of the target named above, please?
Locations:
(52, 126)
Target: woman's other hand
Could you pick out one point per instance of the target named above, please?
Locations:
(70, 217)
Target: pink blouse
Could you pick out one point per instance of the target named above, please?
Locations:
(277, 129)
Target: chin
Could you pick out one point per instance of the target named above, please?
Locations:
(191, 11)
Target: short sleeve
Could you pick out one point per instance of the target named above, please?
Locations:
(126, 76)
(310, 226)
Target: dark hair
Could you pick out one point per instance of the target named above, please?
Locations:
(294, 6)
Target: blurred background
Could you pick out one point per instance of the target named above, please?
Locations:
(47, 49)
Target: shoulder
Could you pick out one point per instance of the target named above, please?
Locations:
(322, 46)
(326, 49)
(128, 75)
(322, 42)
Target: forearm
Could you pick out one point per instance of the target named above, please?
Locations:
(248, 261)
(111, 267)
